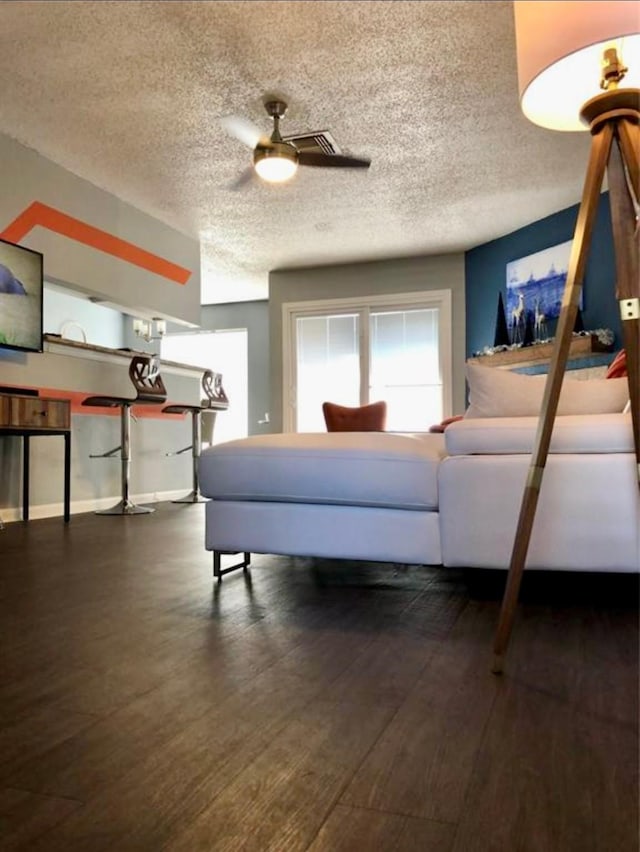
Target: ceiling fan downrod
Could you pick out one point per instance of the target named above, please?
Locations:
(276, 109)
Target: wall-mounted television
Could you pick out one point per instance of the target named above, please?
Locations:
(21, 286)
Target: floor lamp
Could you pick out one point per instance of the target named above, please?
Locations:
(566, 52)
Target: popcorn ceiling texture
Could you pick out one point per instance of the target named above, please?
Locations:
(129, 95)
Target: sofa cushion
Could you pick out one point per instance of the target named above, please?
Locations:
(354, 468)
(502, 393)
(585, 433)
(586, 519)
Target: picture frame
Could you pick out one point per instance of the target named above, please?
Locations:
(535, 287)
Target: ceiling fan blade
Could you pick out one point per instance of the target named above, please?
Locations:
(244, 130)
(243, 178)
(313, 158)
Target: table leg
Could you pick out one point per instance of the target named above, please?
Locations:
(26, 448)
(67, 476)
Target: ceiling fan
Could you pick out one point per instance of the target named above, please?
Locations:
(276, 159)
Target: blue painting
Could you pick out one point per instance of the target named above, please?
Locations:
(535, 286)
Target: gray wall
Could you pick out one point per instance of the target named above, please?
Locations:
(254, 316)
(27, 177)
(402, 275)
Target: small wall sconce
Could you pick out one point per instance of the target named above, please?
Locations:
(146, 328)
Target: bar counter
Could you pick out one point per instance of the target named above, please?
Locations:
(72, 370)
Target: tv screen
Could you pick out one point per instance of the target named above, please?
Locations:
(21, 285)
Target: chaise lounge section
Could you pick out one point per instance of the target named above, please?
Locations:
(351, 495)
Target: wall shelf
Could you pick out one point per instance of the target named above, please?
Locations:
(539, 354)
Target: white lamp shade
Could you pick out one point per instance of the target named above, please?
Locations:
(560, 47)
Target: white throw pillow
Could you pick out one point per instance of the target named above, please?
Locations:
(502, 393)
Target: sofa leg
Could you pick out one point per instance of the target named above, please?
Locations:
(219, 571)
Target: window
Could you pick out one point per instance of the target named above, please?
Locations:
(327, 366)
(396, 348)
(225, 352)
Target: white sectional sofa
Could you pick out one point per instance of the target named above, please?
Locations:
(449, 499)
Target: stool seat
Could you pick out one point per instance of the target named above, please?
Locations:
(113, 401)
(178, 408)
(150, 390)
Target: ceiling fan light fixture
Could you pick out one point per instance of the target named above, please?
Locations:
(277, 163)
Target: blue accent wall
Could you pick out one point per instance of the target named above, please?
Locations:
(485, 273)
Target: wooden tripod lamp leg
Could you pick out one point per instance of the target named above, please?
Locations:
(600, 147)
(624, 196)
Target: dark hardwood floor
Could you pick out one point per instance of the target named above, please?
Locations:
(315, 705)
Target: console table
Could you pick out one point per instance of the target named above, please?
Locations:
(30, 416)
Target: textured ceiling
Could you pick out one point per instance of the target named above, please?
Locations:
(129, 95)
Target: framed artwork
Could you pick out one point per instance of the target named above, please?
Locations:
(535, 285)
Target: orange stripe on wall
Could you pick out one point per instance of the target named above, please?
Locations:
(59, 222)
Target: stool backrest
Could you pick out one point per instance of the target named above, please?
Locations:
(215, 397)
(144, 372)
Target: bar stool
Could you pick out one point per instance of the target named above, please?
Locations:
(215, 400)
(144, 373)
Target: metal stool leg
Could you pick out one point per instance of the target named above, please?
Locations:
(196, 441)
(125, 506)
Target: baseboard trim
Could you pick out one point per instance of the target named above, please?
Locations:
(10, 514)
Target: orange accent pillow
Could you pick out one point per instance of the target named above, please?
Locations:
(366, 418)
(618, 367)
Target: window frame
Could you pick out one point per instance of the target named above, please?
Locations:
(363, 305)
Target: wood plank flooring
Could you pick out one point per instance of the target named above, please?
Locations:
(313, 705)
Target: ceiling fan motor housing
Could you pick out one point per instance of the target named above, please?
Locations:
(275, 149)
